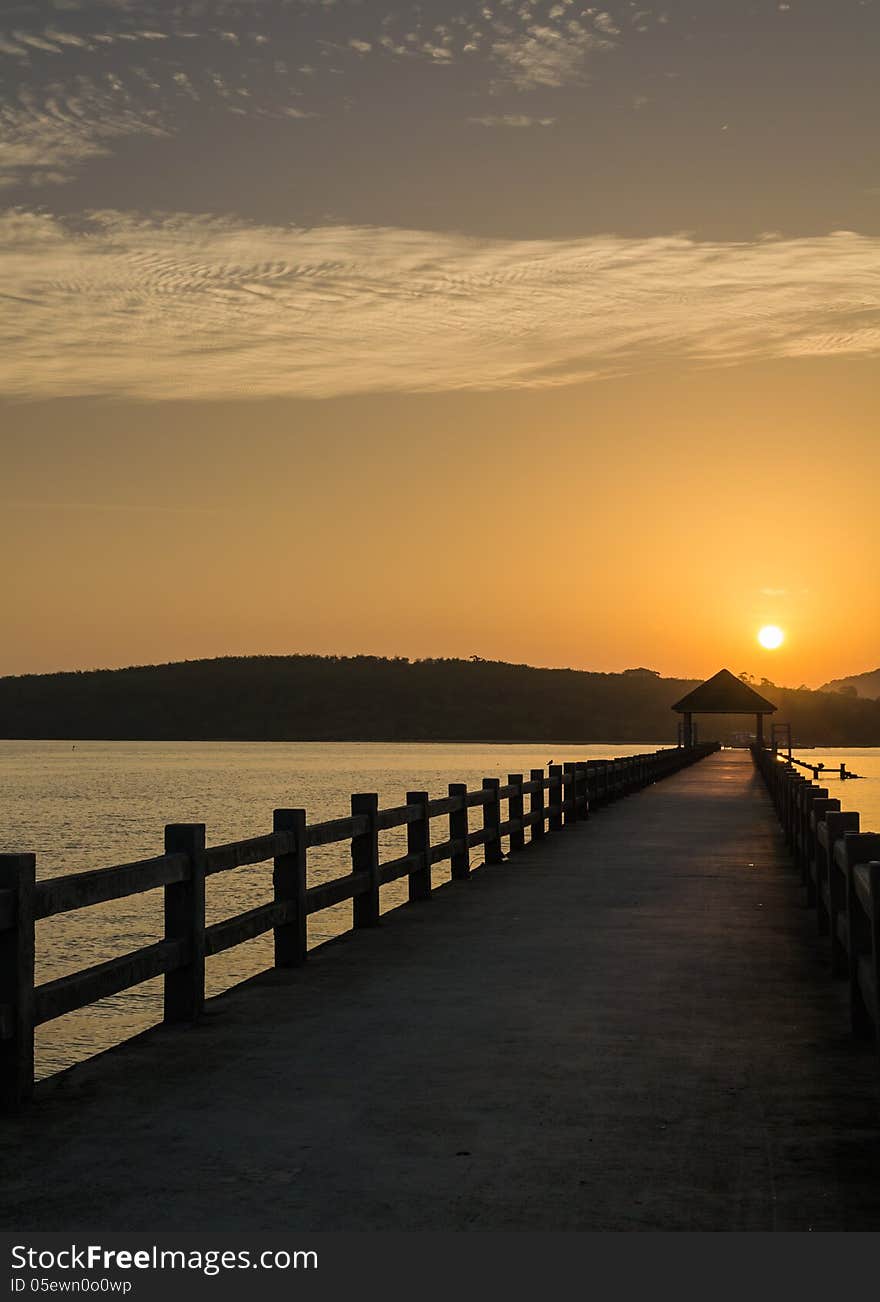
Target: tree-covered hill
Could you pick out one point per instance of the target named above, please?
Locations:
(867, 684)
(365, 698)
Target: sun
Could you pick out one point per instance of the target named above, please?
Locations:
(771, 637)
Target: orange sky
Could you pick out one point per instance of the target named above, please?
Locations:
(603, 526)
(531, 332)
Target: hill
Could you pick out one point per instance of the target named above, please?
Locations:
(366, 698)
(866, 685)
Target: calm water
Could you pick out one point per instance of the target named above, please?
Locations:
(863, 795)
(103, 803)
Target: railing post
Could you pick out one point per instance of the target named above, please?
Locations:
(491, 822)
(818, 812)
(418, 842)
(515, 811)
(185, 920)
(594, 795)
(555, 775)
(865, 947)
(17, 875)
(536, 804)
(810, 798)
(794, 812)
(828, 829)
(289, 883)
(583, 781)
(858, 848)
(460, 860)
(569, 771)
(840, 826)
(365, 859)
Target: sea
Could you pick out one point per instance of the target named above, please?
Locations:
(88, 804)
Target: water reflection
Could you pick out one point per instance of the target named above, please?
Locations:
(107, 802)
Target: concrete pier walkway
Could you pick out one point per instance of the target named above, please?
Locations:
(631, 1027)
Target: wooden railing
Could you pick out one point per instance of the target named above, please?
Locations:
(565, 796)
(839, 866)
(821, 770)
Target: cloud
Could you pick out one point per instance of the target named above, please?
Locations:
(512, 120)
(547, 56)
(48, 133)
(43, 138)
(108, 69)
(186, 306)
(605, 23)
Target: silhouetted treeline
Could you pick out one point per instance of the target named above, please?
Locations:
(365, 698)
(867, 684)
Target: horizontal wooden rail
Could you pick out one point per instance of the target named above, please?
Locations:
(567, 794)
(337, 891)
(399, 817)
(444, 850)
(446, 805)
(81, 988)
(839, 867)
(339, 829)
(241, 854)
(79, 890)
(394, 869)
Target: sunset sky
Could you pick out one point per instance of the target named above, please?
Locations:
(522, 330)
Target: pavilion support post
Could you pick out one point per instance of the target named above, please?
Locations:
(759, 731)
(688, 730)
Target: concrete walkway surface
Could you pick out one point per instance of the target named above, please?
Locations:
(628, 1027)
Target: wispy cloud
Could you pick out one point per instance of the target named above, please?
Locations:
(184, 306)
(73, 95)
(545, 55)
(42, 138)
(98, 71)
(511, 120)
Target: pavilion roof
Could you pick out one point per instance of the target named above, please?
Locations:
(723, 694)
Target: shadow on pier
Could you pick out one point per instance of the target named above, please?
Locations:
(628, 1027)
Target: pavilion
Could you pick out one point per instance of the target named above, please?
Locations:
(723, 694)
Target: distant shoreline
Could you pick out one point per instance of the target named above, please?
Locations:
(359, 699)
(342, 741)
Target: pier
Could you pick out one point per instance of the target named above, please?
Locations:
(630, 1022)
